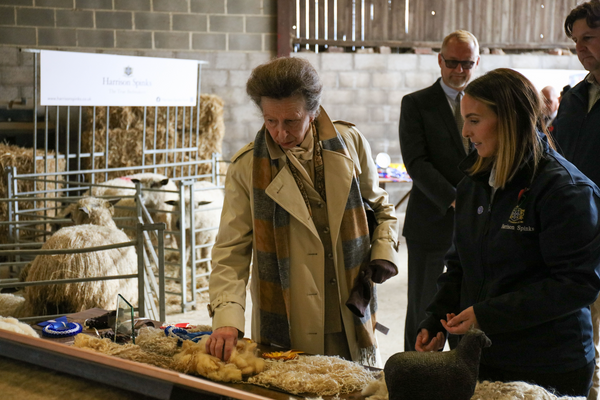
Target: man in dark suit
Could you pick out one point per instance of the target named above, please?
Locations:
(432, 147)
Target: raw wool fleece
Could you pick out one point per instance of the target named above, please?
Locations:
(514, 390)
(11, 305)
(75, 297)
(22, 159)
(483, 391)
(13, 325)
(321, 375)
(153, 347)
(125, 143)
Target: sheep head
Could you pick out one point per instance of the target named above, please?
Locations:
(93, 210)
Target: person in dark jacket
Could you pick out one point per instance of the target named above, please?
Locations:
(432, 147)
(577, 125)
(525, 261)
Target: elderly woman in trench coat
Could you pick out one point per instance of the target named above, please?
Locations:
(294, 219)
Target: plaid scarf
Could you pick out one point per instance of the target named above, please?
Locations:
(272, 236)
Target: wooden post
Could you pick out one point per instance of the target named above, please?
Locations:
(284, 27)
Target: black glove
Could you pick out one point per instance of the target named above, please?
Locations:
(377, 271)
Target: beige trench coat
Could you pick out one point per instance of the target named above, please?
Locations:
(233, 251)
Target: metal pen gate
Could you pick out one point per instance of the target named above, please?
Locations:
(75, 159)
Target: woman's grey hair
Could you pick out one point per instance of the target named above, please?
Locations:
(285, 77)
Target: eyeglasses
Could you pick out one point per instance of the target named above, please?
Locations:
(454, 63)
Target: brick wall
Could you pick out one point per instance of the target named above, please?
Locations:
(234, 36)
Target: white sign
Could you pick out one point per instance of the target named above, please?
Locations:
(84, 79)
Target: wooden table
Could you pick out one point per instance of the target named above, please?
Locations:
(384, 181)
(129, 376)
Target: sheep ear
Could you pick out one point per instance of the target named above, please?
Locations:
(135, 180)
(85, 210)
(172, 202)
(160, 183)
(112, 202)
(203, 203)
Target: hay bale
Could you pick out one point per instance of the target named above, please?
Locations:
(127, 132)
(22, 159)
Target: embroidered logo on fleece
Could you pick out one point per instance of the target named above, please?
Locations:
(517, 216)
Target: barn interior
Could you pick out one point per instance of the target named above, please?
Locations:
(138, 155)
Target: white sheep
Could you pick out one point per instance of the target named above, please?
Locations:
(208, 202)
(98, 229)
(11, 305)
(157, 189)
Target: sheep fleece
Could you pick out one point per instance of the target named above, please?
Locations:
(75, 297)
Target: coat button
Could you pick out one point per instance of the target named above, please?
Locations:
(321, 205)
(333, 281)
(330, 255)
(326, 230)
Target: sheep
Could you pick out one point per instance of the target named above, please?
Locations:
(208, 201)
(448, 375)
(97, 229)
(162, 189)
(11, 305)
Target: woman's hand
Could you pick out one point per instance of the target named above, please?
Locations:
(424, 343)
(460, 324)
(222, 342)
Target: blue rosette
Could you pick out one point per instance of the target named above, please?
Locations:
(61, 329)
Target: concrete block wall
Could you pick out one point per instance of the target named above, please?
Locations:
(367, 89)
(218, 25)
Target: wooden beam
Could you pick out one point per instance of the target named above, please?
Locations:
(434, 45)
(284, 27)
